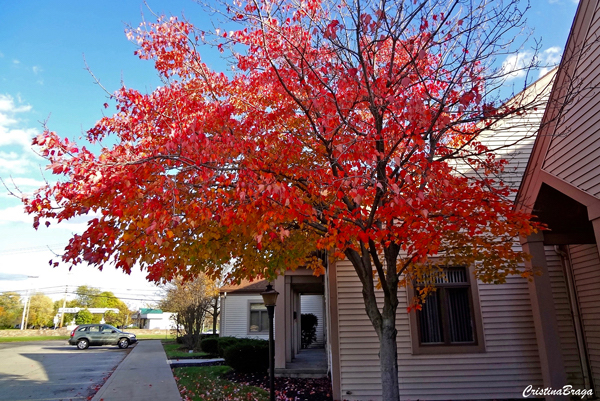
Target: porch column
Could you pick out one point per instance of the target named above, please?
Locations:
(280, 323)
(596, 225)
(289, 311)
(544, 316)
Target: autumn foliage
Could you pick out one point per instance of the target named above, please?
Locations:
(349, 128)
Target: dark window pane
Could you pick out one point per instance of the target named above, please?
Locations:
(461, 327)
(264, 320)
(254, 321)
(430, 320)
(456, 275)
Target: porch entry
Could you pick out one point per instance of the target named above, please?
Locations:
(566, 297)
(300, 292)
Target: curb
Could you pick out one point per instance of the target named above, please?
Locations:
(184, 363)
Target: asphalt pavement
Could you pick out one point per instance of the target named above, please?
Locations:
(144, 375)
(54, 370)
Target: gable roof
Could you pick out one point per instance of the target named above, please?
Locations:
(531, 183)
(246, 286)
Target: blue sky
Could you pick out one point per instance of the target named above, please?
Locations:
(43, 77)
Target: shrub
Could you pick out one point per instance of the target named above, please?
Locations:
(210, 345)
(226, 342)
(308, 328)
(84, 317)
(248, 356)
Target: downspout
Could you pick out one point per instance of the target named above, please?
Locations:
(586, 369)
(221, 321)
(327, 315)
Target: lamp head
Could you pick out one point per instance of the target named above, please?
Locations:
(269, 295)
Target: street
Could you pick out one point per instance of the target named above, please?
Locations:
(54, 370)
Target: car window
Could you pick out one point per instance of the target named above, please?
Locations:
(106, 327)
(94, 328)
(82, 329)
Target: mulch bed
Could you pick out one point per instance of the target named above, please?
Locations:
(287, 389)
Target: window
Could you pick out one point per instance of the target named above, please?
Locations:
(448, 321)
(259, 318)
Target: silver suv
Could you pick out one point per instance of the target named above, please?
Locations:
(100, 334)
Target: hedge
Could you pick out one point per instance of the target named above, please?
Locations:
(248, 356)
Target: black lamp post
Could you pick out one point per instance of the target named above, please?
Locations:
(270, 299)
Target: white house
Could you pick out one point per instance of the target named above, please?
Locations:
(154, 319)
(243, 313)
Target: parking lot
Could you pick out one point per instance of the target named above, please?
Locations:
(54, 370)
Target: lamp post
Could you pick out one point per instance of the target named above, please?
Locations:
(270, 299)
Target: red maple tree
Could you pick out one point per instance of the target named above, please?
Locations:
(351, 128)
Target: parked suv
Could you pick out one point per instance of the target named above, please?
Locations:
(100, 334)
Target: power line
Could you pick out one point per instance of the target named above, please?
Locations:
(33, 249)
(56, 291)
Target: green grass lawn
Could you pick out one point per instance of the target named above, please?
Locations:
(174, 350)
(206, 383)
(154, 336)
(36, 338)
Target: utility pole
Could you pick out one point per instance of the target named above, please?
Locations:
(62, 315)
(26, 307)
(27, 315)
(24, 310)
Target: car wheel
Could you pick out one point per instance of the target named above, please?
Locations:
(123, 343)
(83, 343)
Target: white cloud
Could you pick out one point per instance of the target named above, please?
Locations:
(36, 69)
(14, 214)
(16, 156)
(24, 182)
(7, 104)
(14, 163)
(549, 59)
(15, 61)
(515, 65)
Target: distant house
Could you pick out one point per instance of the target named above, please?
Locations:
(243, 313)
(153, 319)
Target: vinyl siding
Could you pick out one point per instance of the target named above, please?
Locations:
(234, 316)
(564, 318)
(576, 143)
(314, 304)
(586, 269)
(509, 364)
(513, 139)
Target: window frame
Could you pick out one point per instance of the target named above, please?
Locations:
(264, 330)
(478, 346)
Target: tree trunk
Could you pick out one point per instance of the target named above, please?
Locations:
(384, 320)
(388, 360)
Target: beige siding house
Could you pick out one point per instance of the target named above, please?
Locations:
(505, 358)
(562, 187)
(543, 333)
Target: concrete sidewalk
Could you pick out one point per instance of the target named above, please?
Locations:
(144, 375)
